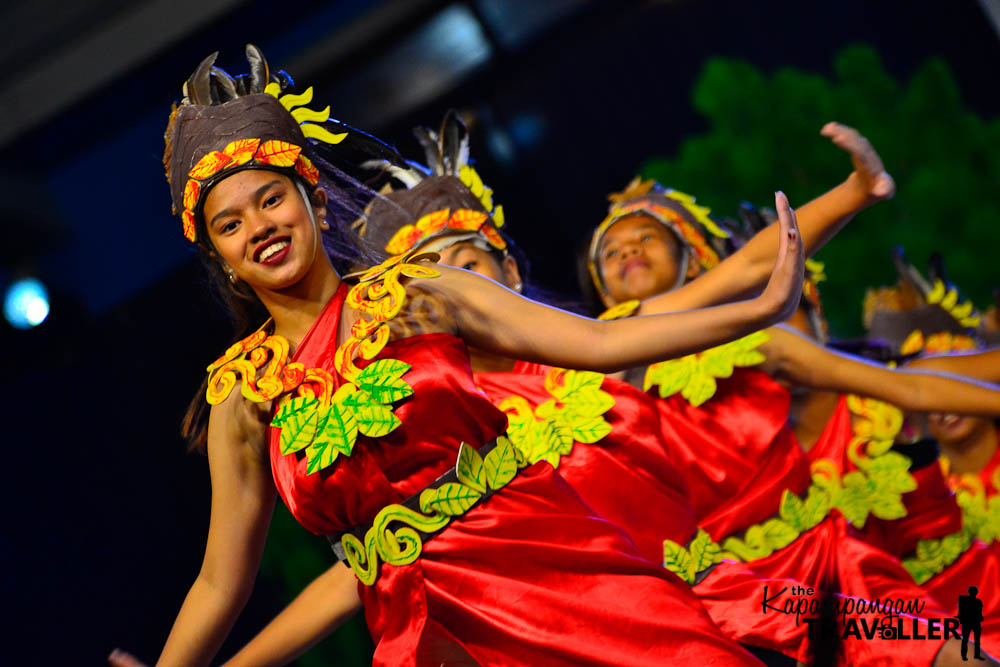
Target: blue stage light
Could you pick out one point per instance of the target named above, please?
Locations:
(26, 304)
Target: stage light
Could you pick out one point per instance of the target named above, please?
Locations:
(26, 303)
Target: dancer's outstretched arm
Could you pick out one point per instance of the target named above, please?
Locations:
(492, 318)
(794, 357)
(325, 604)
(982, 365)
(243, 497)
(746, 270)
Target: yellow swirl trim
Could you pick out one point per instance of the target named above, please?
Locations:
(402, 545)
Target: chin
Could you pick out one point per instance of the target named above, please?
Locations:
(954, 433)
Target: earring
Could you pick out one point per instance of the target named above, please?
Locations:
(232, 276)
(518, 287)
(324, 225)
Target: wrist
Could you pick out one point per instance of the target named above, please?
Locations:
(762, 312)
(859, 192)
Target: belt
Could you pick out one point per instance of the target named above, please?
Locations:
(398, 531)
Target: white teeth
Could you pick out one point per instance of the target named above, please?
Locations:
(272, 249)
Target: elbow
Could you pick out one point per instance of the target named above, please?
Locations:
(226, 585)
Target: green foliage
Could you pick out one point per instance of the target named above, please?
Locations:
(764, 135)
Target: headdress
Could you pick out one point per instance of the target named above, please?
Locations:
(447, 176)
(253, 121)
(697, 232)
(920, 314)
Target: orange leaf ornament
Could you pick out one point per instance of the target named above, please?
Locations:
(209, 165)
(433, 222)
(403, 240)
(493, 237)
(192, 191)
(278, 153)
(241, 150)
(307, 170)
(187, 218)
(467, 219)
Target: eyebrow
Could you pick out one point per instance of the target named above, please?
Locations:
(646, 225)
(256, 196)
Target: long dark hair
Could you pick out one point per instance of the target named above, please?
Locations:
(346, 198)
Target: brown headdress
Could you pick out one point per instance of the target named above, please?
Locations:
(227, 124)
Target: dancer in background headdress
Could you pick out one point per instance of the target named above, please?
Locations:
(750, 481)
(950, 538)
(356, 405)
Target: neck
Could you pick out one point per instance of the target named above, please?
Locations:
(294, 309)
(810, 412)
(972, 454)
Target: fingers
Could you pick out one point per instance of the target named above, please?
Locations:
(850, 140)
(787, 218)
(867, 162)
(788, 270)
(120, 658)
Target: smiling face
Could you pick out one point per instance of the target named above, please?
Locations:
(260, 228)
(638, 258)
(467, 255)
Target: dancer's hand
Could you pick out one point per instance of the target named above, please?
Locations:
(120, 658)
(780, 297)
(869, 172)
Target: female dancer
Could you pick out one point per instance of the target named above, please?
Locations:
(487, 560)
(948, 539)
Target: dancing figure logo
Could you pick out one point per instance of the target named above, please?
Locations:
(970, 615)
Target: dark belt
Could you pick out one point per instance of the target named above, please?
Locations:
(413, 503)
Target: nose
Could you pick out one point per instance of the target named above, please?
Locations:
(261, 227)
(629, 249)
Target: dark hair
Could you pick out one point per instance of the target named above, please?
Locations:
(346, 198)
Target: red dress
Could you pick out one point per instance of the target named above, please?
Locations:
(530, 576)
(631, 478)
(739, 456)
(932, 513)
(625, 476)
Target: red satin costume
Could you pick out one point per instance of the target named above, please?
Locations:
(931, 512)
(723, 449)
(738, 455)
(531, 576)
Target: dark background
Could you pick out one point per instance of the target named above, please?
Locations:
(106, 513)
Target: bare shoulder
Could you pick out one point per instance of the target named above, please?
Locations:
(240, 424)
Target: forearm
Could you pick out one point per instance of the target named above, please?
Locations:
(979, 365)
(803, 362)
(746, 271)
(941, 392)
(204, 622)
(330, 600)
(819, 221)
(617, 345)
